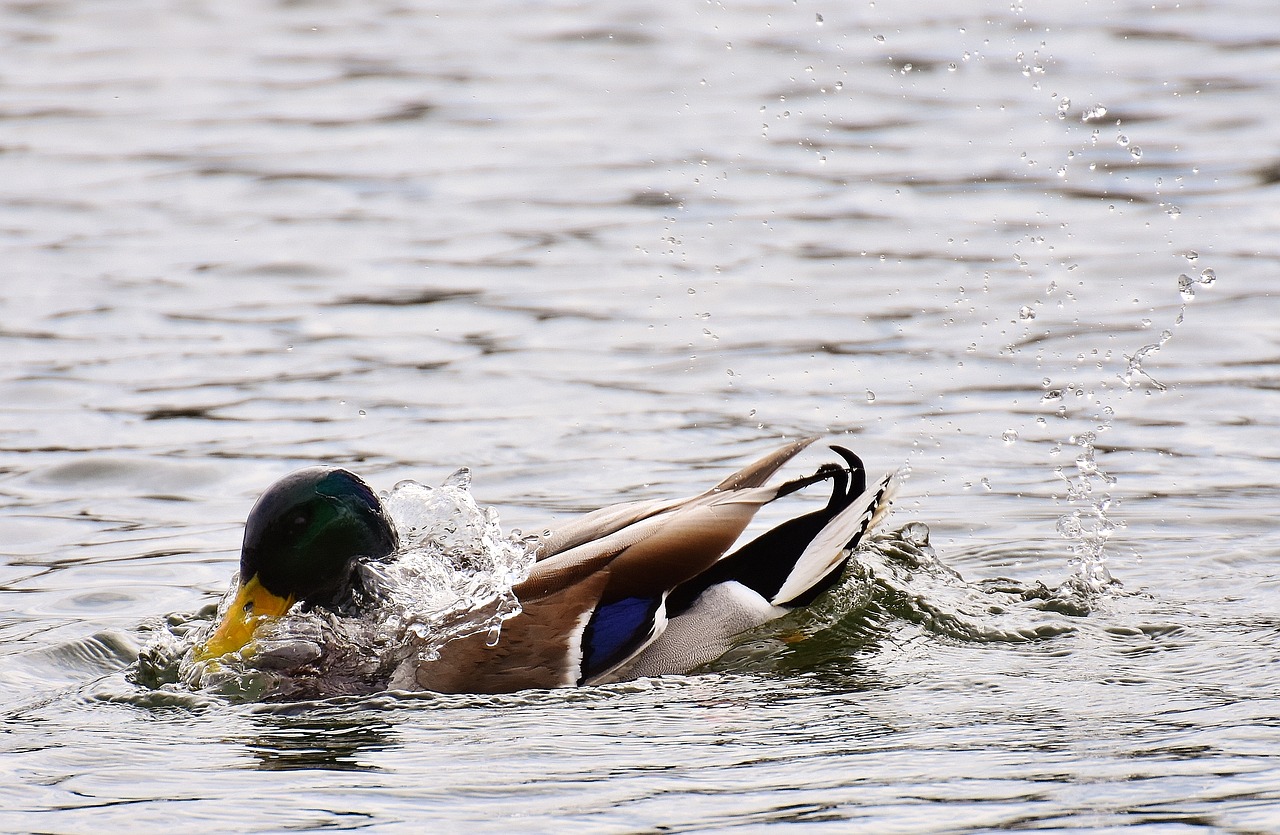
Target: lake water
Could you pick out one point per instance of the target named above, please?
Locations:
(607, 251)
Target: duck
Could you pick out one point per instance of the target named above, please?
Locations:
(632, 590)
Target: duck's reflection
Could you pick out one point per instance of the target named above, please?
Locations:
(333, 738)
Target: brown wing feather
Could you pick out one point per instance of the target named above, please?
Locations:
(759, 471)
(660, 552)
(608, 520)
(601, 523)
(686, 544)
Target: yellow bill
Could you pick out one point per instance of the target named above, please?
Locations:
(253, 606)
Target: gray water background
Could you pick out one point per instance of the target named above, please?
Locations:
(607, 251)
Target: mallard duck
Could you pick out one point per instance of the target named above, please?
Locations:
(636, 589)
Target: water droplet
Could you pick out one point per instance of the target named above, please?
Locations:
(871, 396)
(1186, 286)
(1026, 313)
(818, 19)
(879, 38)
(1091, 113)
(1135, 152)
(1173, 212)
(362, 413)
(1207, 277)
(915, 533)
(460, 478)
(1009, 436)
(1122, 141)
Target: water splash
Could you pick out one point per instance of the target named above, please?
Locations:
(1134, 370)
(894, 580)
(1088, 526)
(1187, 285)
(910, 579)
(454, 557)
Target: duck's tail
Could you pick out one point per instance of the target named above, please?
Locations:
(796, 561)
(785, 568)
(822, 561)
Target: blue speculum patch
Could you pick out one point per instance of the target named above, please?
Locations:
(614, 629)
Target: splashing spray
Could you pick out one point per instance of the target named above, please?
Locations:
(1087, 526)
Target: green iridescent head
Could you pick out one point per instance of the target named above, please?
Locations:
(305, 532)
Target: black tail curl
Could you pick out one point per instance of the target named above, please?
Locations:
(765, 563)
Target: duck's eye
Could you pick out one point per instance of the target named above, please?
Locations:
(299, 523)
(248, 608)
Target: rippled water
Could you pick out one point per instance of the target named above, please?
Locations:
(600, 252)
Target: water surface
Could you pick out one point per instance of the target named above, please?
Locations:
(599, 252)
